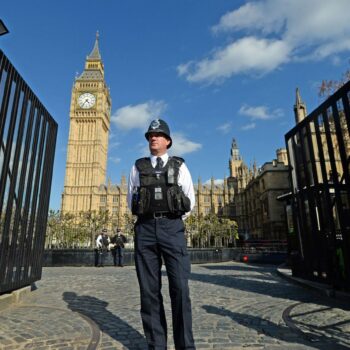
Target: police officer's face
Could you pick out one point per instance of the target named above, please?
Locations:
(158, 143)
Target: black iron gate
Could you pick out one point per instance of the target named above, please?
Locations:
(28, 139)
(319, 158)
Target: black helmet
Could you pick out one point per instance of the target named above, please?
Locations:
(160, 126)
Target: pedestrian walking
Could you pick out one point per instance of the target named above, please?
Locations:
(161, 194)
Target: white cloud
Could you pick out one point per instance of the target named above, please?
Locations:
(272, 33)
(259, 112)
(225, 128)
(251, 16)
(182, 69)
(216, 182)
(248, 126)
(114, 144)
(138, 116)
(115, 160)
(329, 49)
(244, 55)
(181, 145)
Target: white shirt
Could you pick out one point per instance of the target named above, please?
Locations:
(184, 180)
(99, 243)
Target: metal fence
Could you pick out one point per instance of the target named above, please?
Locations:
(319, 158)
(258, 246)
(28, 138)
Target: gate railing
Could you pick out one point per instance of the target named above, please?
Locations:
(319, 157)
(28, 138)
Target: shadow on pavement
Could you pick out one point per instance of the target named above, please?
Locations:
(263, 280)
(273, 330)
(245, 267)
(96, 310)
(267, 282)
(270, 285)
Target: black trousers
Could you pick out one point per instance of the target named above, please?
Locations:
(99, 257)
(157, 240)
(118, 254)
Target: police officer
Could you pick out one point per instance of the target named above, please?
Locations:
(161, 194)
(102, 241)
(118, 243)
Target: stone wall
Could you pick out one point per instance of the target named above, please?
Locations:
(86, 257)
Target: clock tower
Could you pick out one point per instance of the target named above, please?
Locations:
(90, 111)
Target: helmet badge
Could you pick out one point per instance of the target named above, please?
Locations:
(155, 124)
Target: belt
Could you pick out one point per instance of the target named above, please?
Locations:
(159, 215)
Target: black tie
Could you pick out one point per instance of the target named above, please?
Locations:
(159, 163)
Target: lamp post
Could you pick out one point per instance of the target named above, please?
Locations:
(3, 29)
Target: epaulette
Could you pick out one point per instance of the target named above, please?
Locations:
(178, 160)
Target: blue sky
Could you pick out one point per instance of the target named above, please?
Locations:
(213, 69)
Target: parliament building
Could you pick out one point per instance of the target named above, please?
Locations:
(248, 195)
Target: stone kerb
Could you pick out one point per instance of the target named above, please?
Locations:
(14, 297)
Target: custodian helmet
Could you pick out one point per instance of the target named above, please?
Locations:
(159, 126)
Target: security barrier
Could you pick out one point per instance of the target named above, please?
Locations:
(28, 139)
(319, 227)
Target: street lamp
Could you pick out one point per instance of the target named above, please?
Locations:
(3, 29)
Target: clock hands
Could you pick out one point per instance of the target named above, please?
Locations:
(86, 100)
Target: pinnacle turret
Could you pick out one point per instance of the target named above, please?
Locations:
(95, 53)
(94, 69)
(299, 108)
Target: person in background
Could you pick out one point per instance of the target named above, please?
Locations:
(102, 242)
(117, 248)
(161, 194)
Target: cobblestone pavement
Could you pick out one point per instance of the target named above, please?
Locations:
(235, 306)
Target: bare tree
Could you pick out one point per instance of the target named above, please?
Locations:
(328, 87)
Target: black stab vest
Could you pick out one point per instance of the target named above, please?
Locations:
(159, 191)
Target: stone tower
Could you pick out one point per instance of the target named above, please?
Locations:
(90, 111)
(282, 156)
(239, 174)
(236, 160)
(299, 108)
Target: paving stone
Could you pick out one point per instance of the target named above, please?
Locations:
(235, 306)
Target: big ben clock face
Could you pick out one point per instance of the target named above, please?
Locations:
(86, 100)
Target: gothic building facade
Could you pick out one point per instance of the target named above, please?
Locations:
(259, 214)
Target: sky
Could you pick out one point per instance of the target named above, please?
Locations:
(213, 69)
